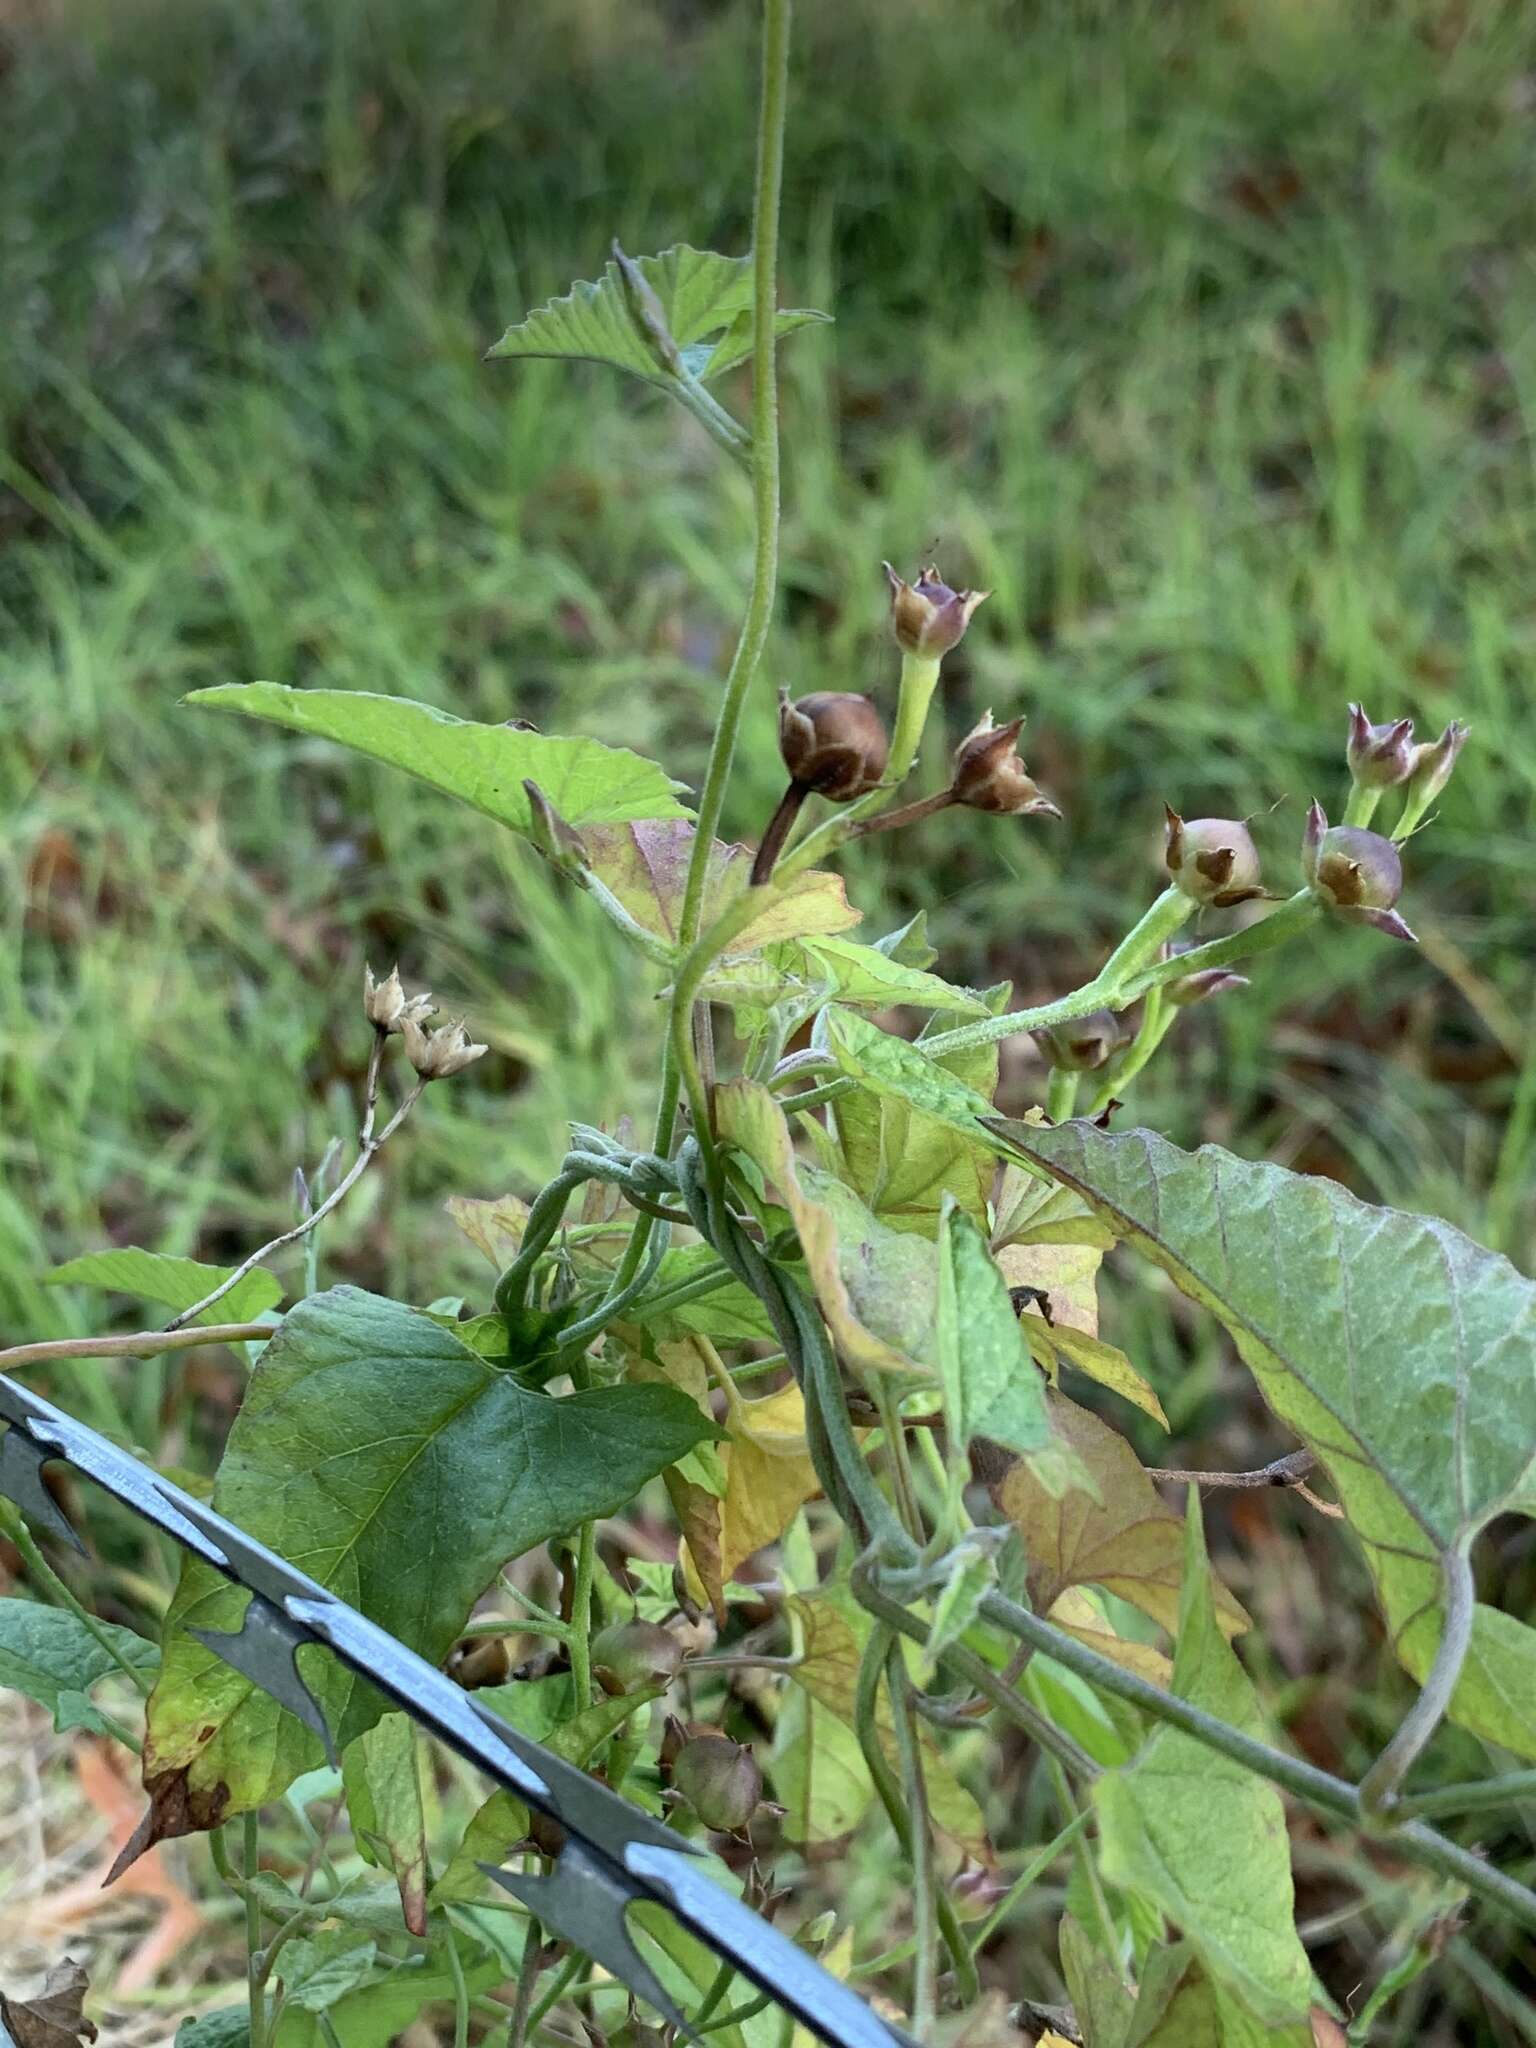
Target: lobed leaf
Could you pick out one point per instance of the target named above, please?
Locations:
(1400, 1352)
(484, 766)
(705, 299)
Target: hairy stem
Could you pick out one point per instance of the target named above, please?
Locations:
(137, 1344)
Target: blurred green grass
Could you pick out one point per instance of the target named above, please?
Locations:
(1203, 335)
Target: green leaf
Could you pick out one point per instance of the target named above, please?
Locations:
(484, 766)
(399, 1469)
(729, 1313)
(894, 1067)
(705, 299)
(1400, 1352)
(376, 2014)
(1100, 2002)
(174, 1283)
(992, 1387)
(503, 1820)
(904, 1161)
(819, 1773)
(835, 968)
(1180, 2007)
(318, 1969)
(1203, 1837)
(875, 1285)
(972, 1574)
(50, 1655)
(381, 1775)
(229, 2027)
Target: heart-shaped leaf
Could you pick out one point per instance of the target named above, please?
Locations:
(380, 1455)
(1400, 1352)
(484, 766)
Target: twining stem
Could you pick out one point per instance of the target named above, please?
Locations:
(1486, 1797)
(1156, 1021)
(925, 2002)
(1379, 1786)
(1027, 1878)
(518, 2026)
(369, 1147)
(43, 1572)
(460, 1992)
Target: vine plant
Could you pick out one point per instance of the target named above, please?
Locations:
(967, 1555)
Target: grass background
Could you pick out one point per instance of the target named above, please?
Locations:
(1204, 335)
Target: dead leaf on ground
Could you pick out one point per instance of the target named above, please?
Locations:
(56, 2017)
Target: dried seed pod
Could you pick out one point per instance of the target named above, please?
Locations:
(1081, 1043)
(387, 1006)
(436, 1055)
(479, 1660)
(720, 1780)
(635, 1656)
(833, 742)
(929, 618)
(1379, 756)
(1357, 874)
(1213, 860)
(989, 774)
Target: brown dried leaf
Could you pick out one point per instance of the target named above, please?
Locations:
(1132, 1544)
(56, 2018)
(495, 1228)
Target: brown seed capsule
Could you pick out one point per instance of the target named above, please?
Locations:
(1213, 860)
(720, 1780)
(634, 1656)
(1082, 1043)
(833, 742)
(1358, 874)
(480, 1660)
(990, 776)
(1379, 756)
(927, 616)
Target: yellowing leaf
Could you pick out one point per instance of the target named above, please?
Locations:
(1076, 1614)
(835, 1631)
(768, 1474)
(1129, 1542)
(645, 865)
(495, 1228)
(904, 1162)
(1203, 1837)
(819, 1773)
(875, 1285)
(1100, 1361)
(1068, 1276)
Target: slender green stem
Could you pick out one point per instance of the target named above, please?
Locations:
(723, 1979)
(136, 1344)
(1361, 807)
(1379, 1786)
(460, 1992)
(896, 1451)
(712, 417)
(559, 1984)
(1319, 1788)
(527, 1977)
(255, 1989)
(1087, 1863)
(544, 1220)
(748, 2009)
(1156, 1022)
(1027, 1879)
(925, 1998)
(1151, 931)
(1488, 1797)
(580, 1639)
(866, 1722)
(1061, 1095)
(45, 1575)
(813, 1098)
(1284, 923)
